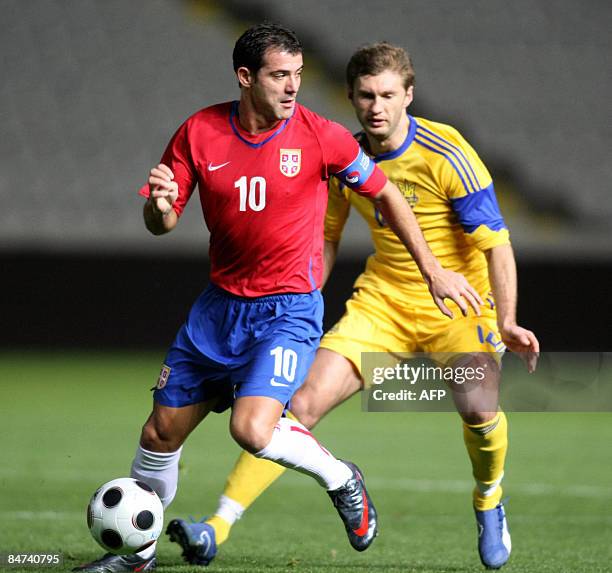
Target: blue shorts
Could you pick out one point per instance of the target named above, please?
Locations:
(232, 346)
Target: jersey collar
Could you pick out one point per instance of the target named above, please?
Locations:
(412, 127)
(233, 118)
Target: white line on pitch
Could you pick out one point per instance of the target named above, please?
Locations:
(43, 515)
(463, 486)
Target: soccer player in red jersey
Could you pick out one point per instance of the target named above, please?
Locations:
(261, 165)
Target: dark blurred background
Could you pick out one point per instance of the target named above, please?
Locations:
(93, 89)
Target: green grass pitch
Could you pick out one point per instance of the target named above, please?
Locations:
(70, 422)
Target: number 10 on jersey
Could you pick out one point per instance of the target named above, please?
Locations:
(252, 192)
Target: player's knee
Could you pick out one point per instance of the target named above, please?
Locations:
(474, 418)
(251, 435)
(305, 410)
(157, 436)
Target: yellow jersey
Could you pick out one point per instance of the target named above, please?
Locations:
(452, 196)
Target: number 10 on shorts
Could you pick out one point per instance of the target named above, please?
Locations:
(285, 362)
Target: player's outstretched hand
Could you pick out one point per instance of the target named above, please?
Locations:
(523, 342)
(449, 284)
(163, 190)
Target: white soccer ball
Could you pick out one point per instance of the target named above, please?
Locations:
(125, 516)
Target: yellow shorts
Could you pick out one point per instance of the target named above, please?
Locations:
(379, 322)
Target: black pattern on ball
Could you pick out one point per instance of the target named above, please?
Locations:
(112, 497)
(144, 485)
(144, 519)
(89, 517)
(143, 547)
(111, 539)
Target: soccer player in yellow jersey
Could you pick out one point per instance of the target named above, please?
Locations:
(452, 195)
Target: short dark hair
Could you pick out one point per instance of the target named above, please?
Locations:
(252, 45)
(373, 59)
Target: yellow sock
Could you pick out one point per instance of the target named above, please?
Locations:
(487, 445)
(221, 527)
(249, 478)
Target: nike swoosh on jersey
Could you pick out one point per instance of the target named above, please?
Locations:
(212, 167)
(275, 383)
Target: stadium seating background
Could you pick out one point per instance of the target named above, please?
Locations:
(92, 90)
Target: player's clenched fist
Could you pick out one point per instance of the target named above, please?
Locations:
(163, 190)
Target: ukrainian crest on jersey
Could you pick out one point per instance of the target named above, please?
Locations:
(290, 162)
(408, 189)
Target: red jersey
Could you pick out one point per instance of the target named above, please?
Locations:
(264, 197)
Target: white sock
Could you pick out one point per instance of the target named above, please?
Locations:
(293, 446)
(229, 509)
(160, 471)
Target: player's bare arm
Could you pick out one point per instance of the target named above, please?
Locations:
(502, 275)
(442, 283)
(159, 215)
(330, 251)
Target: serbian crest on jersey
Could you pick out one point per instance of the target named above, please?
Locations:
(290, 162)
(163, 377)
